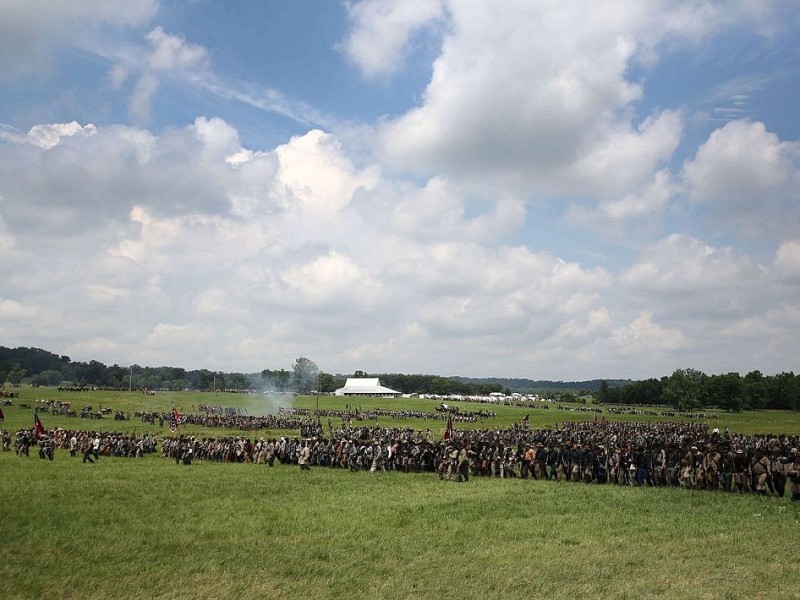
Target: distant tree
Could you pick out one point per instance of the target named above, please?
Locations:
(16, 375)
(237, 381)
(755, 390)
(685, 389)
(727, 391)
(603, 394)
(304, 375)
(783, 391)
(327, 383)
(441, 386)
(49, 377)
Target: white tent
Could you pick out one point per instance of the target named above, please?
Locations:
(366, 386)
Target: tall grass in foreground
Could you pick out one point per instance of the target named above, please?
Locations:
(151, 528)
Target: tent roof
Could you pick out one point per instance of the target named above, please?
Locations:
(365, 385)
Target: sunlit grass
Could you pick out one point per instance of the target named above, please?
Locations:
(147, 527)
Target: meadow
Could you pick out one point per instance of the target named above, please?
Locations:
(147, 527)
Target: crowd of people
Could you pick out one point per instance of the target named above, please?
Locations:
(90, 445)
(686, 455)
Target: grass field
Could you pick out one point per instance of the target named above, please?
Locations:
(147, 527)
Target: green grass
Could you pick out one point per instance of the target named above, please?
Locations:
(151, 528)
(147, 527)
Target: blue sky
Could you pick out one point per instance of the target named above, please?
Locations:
(542, 189)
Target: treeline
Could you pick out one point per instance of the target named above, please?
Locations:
(435, 384)
(543, 386)
(688, 389)
(685, 389)
(40, 367)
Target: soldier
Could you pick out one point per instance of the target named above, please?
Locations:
(741, 471)
(713, 462)
(378, 459)
(779, 465)
(726, 469)
(553, 458)
(540, 465)
(687, 469)
(600, 464)
(86, 449)
(577, 461)
(793, 473)
(564, 467)
(527, 460)
(673, 465)
(640, 460)
(762, 475)
(660, 466)
(463, 463)
(303, 457)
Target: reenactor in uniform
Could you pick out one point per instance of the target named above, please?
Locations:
(601, 464)
(527, 460)
(352, 456)
(673, 465)
(761, 472)
(659, 473)
(565, 463)
(587, 462)
(713, 463)
(553, 456)
(779, 465)
(640, 460)
(687, 469)
(577, 461)
(304, 457)
(540, 466)
(378, 458)
(726, 469)
(793, 474)
(699, 469)
(86, 449)
(463, 463)
(741, 472)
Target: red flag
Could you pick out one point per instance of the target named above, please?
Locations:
(2, 416)
(448, 432)
(37, 425)
(175, 420)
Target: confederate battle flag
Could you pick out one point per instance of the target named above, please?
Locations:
(448, 432)
(175, 420)
(37, 425)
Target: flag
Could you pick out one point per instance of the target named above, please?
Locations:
(448, 432)
(2, 416)
(37, 425)
(175, 420)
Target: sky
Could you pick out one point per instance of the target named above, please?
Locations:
(544, 189)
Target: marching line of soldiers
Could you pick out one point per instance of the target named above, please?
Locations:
(682, 455)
